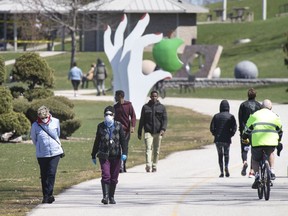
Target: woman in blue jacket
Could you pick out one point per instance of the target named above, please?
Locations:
(45, 132)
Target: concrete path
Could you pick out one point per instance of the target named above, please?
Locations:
(186, 183)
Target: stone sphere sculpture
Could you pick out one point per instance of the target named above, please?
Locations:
(246, 70)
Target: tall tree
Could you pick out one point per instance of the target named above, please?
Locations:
(63, 12)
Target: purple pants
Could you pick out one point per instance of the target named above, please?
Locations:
(110, 170)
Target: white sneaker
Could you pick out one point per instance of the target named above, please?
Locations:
(251, 175)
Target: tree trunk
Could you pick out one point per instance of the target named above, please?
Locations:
(73, 47)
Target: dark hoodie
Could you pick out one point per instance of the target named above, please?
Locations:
(223, 125)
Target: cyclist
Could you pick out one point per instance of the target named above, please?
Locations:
(265, 130)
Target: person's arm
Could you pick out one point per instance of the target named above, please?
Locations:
(234, 126)
(165, 121)
(122, 140)
(240, 119)
(33, 134)
(96, 144)
(141, 123)
(133, 119)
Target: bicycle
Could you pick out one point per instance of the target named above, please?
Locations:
(265, 183)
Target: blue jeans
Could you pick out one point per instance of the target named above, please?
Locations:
(48, 169)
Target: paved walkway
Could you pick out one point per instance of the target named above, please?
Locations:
(186, 183)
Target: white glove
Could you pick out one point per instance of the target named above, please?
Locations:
(247, 148)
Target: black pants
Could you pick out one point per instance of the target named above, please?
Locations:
(223, 152)
(48, 169)
(127, 139)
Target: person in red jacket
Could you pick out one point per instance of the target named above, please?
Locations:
(125, 114)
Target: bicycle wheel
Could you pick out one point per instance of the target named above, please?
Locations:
(267, 181)
(260, 188)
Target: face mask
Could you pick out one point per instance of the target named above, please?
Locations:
(109, 120)
(45, 120)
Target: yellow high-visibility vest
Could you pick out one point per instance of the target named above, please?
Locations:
(265, 124)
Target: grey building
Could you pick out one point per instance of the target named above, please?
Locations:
(173, 18)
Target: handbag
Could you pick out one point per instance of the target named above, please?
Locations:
(63, 154)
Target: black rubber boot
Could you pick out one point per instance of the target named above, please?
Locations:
(105, 190)
(111, 194)
(124, 166)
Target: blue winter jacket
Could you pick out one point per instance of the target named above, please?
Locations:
(75, 74)
(45, 145)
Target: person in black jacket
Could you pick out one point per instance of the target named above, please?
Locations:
(246, 108)
(154, 121)
(110, 147)
(223, 126)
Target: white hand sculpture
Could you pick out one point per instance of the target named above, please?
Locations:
(126, 57)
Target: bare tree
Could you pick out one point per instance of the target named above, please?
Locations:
(63, 12)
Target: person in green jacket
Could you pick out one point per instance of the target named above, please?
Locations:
(265, 131)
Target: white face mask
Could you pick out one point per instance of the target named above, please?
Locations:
(109, 120)
(45, 120)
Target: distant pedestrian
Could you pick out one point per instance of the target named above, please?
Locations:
(100, 74)
(110, 147)
(45, 132)
(154, 121)
(247, 108)
(125, 114)
(88, 77)
(223, 126)
(75, 75)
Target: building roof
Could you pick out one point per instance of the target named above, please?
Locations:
(29, 6)
(144, 6)
(123, 6)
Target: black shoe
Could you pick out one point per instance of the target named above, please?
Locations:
(221, 175)
(154, 169)
(45, 200)
(243, 172)
(227, 174)
(273, 177)
(255, 183)
(147, 169)
(112, 200)
(49, 199)
(105, 200)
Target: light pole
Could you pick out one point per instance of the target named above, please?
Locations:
(264, 7)
(224, 10)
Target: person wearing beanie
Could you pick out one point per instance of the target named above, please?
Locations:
(45, 133)
(110, 148)
(247, 108)
(223, 127)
